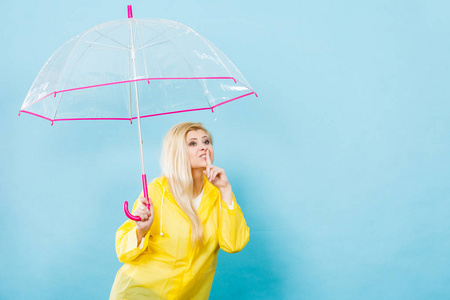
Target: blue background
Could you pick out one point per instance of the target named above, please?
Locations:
(341, 166)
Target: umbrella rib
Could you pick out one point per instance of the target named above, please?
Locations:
(70, 55)
(245, 85)
(193, 73)
(111, 38)
(76, 63)
(145, 58)
(143, 52)
(57, 107)
(106, 46)
(159, 34)
(162, 42)
(211, 48)
(70, 74)
(157, 62)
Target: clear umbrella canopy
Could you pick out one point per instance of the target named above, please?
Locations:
(93, 75)
(132, 69)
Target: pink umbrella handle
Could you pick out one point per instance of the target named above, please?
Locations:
(125, 205)
(127, 212)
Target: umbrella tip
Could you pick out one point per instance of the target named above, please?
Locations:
(130, 12)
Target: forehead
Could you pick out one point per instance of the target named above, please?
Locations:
(197, 134)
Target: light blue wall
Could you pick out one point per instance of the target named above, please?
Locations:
(341, 166)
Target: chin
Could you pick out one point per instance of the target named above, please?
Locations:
(202, 167)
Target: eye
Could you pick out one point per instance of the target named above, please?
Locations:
(207, 142)
(192, 143)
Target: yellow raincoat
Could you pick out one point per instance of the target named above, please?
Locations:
(165, 265)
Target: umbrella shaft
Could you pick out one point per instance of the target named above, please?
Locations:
(139, 129)
(133, 61)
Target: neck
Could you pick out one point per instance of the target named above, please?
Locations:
(197, 177)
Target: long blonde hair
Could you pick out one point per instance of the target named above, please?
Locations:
(176, 167)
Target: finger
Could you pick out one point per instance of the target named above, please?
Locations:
(140, 214)
(151, 212)
(208, 164)
(213, 174)
(206, 174)
(144, 216)
(214, 171)
(142, 211)
(146, 202)
(220, 171)
(143, 200)
(208, 158)
(211, 170)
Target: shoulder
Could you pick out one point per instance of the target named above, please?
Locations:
(158, 183)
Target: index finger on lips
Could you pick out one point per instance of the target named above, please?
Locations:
(208, 164)
(208, 159)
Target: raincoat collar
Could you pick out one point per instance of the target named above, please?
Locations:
(205, 203)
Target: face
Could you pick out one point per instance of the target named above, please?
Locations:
(197, 143)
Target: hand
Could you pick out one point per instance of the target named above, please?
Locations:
(147, 216)
(215, 174)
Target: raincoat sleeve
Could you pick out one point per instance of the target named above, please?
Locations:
(127, 248)
(233, 230)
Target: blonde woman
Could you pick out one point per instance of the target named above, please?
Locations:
(172, 252)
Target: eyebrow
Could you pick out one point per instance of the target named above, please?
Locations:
(196, 138)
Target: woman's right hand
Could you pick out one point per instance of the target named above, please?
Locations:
(146, 215)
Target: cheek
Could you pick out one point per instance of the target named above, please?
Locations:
(191, 154)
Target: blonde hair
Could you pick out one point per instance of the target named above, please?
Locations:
(176, 167)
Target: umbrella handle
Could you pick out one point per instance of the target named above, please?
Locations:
(125, 205)
(127, 212)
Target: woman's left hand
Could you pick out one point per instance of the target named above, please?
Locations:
(219, 179)
(215, 174)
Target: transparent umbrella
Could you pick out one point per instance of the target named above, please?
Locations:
(132, 69)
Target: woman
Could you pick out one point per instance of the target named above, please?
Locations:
(172, 252)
